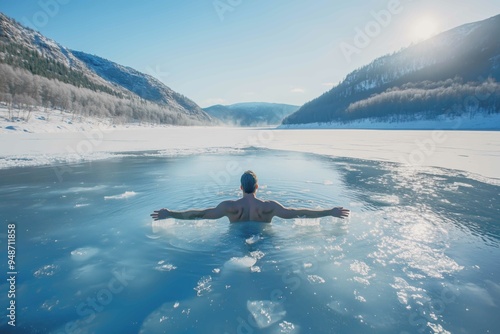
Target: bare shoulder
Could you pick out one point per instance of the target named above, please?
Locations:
(228, 205)
(271, 205)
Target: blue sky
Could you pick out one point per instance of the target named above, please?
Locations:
(229, 51)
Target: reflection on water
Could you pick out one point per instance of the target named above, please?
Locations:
(419, 253)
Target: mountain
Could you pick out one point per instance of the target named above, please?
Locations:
(450, 75)
(251, 113)
(27, 55)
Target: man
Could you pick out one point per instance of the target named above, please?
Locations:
(249, 208)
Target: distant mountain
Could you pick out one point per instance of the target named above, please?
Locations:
(452, 74)
(251, 113)
(26, 54)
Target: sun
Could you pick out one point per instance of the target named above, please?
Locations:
(424, 28)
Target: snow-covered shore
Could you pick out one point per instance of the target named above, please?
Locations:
(61, 139)
(52, 121)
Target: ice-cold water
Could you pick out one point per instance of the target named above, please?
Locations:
(418, 255)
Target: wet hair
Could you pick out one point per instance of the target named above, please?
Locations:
(249, 182)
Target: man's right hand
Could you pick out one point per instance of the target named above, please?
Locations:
(161, 214)
(340, 212)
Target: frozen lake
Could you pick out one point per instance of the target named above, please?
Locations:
(474, 152)
(419, 254)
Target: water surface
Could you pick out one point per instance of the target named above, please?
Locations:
(419, 254)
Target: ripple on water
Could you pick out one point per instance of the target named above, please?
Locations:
(377, 268)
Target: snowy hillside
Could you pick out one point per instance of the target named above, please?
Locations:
(144, 85)
(26, 49)
(436, 76)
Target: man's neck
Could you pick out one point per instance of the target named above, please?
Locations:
(245, 195)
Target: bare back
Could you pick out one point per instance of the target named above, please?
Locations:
(249, 209)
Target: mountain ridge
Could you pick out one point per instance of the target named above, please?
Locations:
(25, 48)
(467, 55)
(251, 113)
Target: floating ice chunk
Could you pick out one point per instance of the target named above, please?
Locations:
(255, 269)
(361, 299)
(358, 297)
(162, 266)
(50, 304)
(204, 286)
(125, 195)
(265, 312)
(360, 267)
(253, 239)
(240, 263)
(84, 253)
(257, 254)
(437, 328)
(361, 280)
(315, 279)
(47, 270)
(286, 327)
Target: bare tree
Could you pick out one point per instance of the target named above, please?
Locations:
(21, 89)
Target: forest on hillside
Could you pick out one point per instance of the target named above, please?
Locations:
(429, 100)
(19, 88)
(410, 101)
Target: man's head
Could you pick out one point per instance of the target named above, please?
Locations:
(249, 182)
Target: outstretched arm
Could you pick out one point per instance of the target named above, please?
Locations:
(212, 213)
(288, 213)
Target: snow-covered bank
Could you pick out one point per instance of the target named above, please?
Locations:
(94, 140)
(40, 120)
(476, 152)
(476, 122)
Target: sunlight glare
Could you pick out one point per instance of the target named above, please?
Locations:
(424, 28)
